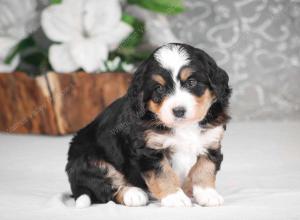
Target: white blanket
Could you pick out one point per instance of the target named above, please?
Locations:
(259, 179)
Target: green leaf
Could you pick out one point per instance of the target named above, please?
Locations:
(35, 58)
(34, 61)
(22, 45)
(56, 2)
(130, 55)
(169, 7)
(136, 36)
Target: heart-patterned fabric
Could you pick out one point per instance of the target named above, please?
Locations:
(258, 43)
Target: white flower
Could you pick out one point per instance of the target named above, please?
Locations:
(112, 65)
(17, 20)
(116, 64)
(128, 67)
(86, 30)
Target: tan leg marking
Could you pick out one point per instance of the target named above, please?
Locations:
(119, 195)
(125, 194)
(201, 183)
(163, 183)
(117, 178)
(201, 174)
(119, 182)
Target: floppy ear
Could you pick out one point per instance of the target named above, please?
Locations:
(135, 91)
(217, 77)
(219, 83)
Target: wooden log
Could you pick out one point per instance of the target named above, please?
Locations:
(56, 104)
(24, 107)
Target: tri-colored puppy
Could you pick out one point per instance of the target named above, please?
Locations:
(161, 140)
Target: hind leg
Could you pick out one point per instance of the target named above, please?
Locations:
(89, 182)
(100, 182)
(125, 193)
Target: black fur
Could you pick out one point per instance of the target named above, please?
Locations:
(123, 148)
(117, 134)
(216, 157)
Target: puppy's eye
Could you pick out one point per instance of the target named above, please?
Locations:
(160, 89)
(191, 83)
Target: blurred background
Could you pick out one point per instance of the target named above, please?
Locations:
(256, 41)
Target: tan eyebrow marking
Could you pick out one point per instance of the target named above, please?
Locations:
(159, 79)
(185, 73)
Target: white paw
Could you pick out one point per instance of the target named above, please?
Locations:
(135, 196)
(207, 196)
(177, 199)
(83, 201)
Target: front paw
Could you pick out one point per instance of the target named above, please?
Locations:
(207, 196)
(177, 199)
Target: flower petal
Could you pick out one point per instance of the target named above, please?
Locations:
(119, 33)
(6, 44)
(18, 18)
(8, 68)
(127, 67)
(63, 22)
(101, 16)
(61, 59)
(89, 54)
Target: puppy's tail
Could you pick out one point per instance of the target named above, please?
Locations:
(88, 183)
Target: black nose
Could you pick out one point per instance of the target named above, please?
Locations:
(179, 111)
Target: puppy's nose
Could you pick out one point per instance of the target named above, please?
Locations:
(179, 111)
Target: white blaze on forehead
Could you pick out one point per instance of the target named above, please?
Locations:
(172, 57)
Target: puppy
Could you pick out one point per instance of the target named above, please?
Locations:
(162, 140)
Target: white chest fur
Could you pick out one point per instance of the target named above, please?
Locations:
(186, 143)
